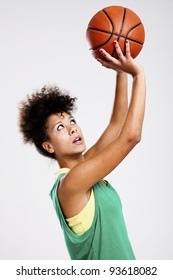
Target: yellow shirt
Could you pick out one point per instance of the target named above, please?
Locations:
(83, 220)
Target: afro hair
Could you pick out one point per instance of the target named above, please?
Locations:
(34, 111)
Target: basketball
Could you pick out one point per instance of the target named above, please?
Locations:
(115, 23)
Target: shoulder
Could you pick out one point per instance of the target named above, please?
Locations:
(58, 177)
(61, 172)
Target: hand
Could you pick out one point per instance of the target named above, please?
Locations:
(124, 63)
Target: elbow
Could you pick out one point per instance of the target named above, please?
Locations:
(134, 139)
(131, 138)
(138, 139)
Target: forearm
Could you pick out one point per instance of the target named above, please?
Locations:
(120, 105)
(119, 112)
(134, 121)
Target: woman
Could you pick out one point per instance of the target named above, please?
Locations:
(88, 207)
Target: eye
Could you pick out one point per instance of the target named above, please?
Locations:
(59, 127)
(72, 121)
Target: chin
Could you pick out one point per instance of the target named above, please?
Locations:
(82, 150)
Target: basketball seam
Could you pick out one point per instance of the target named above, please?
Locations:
(132, 29)
(120, 36)
(122, 24)
(109, 20)
(112, 33)
(121, 28)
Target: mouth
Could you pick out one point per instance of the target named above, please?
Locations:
(77, 140)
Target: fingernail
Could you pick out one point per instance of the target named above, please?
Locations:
(115, 42)
(126, 41)
(101, 50)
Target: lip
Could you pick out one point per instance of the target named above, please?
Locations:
(77, 140)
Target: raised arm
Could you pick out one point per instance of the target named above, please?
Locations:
(119, 112)
(84, 175)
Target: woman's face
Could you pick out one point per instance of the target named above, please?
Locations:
(65, 136)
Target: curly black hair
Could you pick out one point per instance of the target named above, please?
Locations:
(34, 111)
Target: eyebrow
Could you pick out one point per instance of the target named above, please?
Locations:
(70, 117)
(56, 124)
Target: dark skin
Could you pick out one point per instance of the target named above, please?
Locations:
(119, 138)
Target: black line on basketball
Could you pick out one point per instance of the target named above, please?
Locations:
(121, 28)
(101, 30)
(131, 30)
(93, 49)
(109, 20)
(124, 37)
(103, 43)
(112, 27)
(122, 24)
(121, 36)
(133, 40)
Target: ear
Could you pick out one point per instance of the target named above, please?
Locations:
(48, 147)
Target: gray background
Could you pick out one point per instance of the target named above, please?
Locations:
(43, 42)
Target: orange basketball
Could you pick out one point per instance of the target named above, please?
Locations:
(115, 23)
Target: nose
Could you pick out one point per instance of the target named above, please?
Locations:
(73, 130)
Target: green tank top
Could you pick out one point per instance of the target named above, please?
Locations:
(107, 238)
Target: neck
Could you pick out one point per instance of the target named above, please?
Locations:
(70, 162)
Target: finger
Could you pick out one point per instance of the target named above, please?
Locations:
(127, 46)
(100, 60)
(106, 55)
(104, 63)
(118, 51)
